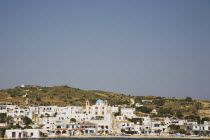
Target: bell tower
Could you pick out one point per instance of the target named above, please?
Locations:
(105, 103)
(87, 106)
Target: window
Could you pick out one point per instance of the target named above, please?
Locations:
(13, 134)
(32, 134)
(156, 125)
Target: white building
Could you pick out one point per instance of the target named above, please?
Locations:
(128, 112)
(138, 105)
(27, 133)
(158, 125)
(101, 108)
(201, 129)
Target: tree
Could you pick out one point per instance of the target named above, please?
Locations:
(2, 132)
(179, 114)
(27, 120)
(204, 119)
(198, 105)
(198, 119)
(160, 102)
(163, 123)
(123, 130)
(55, 114)
(181, 131)
(174, 127)
(158, 131)
(150, 131)
(9, 120)
(48, 115)
(188, 99)
(2, 117)
(117, 114)
(73, 120)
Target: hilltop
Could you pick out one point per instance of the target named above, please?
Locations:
(59, 95)
(65, 95)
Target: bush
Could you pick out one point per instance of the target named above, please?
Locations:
(123, 130)
(99, 117)
(27, 120)
(165, 111)
(135, 120)
(204, 119)
(38, 99)
(12, 95)
(2, 117)
(28, 127)
(174, 127)
(73, 120)
(181, 131)
(191, 117)
(179, 114)
(117, 114)
(144, 109)
(2, 132)
(160, 102)
(188, 99)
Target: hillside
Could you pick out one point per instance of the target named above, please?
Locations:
(59, 95)
(64, 96)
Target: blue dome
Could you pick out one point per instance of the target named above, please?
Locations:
(99, 101)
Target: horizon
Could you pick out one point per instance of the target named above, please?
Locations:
(148, 47)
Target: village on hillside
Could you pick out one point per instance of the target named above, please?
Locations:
(99, 119)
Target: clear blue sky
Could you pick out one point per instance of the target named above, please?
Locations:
(137, 47)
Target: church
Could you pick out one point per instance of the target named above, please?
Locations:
(101, 110)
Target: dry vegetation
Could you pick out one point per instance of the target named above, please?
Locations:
(64, 96)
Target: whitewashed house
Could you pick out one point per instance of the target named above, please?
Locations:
(157, 126)
(128, 112)
(19, 133)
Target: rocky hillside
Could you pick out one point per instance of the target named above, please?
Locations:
(58, 95)
(64, 95)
